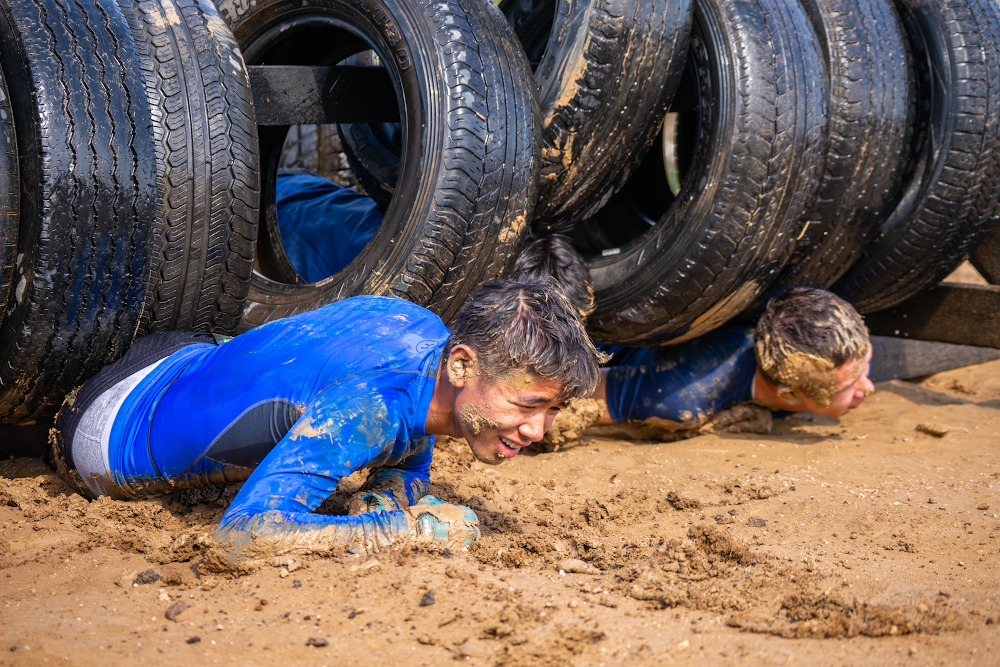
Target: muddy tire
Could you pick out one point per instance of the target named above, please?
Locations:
(88, 198)
(607, 72)
(753, 101)
(207, 165)
(10, 196)
(468, 178)
(952, 200)
(872, 115)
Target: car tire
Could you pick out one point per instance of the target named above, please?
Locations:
(207, 160)
(373, 159)
(872, 115)
(607, 72)
(468, 179)
(668, 269)
(9, 196)
(88, 198)
(952, 200)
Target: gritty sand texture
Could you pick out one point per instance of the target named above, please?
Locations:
(859, 541)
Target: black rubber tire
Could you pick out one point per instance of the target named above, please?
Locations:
(951, 202)
(10, 196)
(871, 125)
(986, 257)
(207, 161)
(88, 197)
(609, 70)
(468, 179)
(375, 162)
(372, 153)
(755, 82)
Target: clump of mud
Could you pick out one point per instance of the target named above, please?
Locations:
(570, 423)
(821, 615)
(742, 418)
(667, 575)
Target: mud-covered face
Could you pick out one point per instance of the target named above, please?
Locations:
(855, 387)
(499, 418)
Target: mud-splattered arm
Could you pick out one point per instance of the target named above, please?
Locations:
(407, 481)
(337, 435)
(686, 383)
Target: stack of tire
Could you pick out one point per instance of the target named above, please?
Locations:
(701, 155)
(705, 155)
(849, 144)
(137, 191)
(128, 186)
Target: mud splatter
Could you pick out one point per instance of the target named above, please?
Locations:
(474, 421)
(808, 373)
(460, 371)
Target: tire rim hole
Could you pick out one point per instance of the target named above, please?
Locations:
(655, 185)
(302, 238)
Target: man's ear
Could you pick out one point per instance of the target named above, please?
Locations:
(789, 395)
(462, 365)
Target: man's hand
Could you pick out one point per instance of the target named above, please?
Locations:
(372, 501)
(450, 525)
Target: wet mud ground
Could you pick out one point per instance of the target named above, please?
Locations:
(873, 539)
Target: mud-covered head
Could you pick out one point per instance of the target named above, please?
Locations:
(525, 329)
(555, 256)
(804, 336)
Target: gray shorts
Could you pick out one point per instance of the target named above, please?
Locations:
(92, 438)
(83, 425)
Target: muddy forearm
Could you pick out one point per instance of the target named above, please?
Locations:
(264, 535)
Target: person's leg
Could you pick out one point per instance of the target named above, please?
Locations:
(80, 448)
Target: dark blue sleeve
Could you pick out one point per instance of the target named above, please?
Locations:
(340, 432)
(685, 383)
(323, 225)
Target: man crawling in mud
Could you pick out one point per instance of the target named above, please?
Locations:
(295, 405)
(810, 351)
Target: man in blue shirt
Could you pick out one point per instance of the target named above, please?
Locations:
(810, 351)
(295, 405)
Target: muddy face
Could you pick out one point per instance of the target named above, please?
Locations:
(852, 387)
(474, 421)
(498, 419)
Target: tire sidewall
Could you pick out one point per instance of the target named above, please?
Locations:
(622, 277)
(404, 42)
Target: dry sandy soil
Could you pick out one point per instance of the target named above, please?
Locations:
(872, 539)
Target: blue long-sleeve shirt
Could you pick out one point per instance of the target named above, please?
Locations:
(685, 383)
(292, 407)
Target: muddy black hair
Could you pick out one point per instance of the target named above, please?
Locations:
(554, 255)
(528, 324)
(812, 321)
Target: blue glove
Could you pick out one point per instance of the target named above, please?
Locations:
(444, 523)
